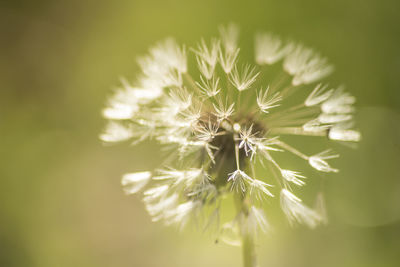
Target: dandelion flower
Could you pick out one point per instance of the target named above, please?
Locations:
(221, 130)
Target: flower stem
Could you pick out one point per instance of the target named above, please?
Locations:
(248, 246)
(248, 250)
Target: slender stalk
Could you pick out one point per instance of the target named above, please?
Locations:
(248, 250)
(248, 246)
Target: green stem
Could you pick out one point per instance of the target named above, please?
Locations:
(248, 245)
(249, 251)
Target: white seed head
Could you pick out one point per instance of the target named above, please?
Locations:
(220, 132)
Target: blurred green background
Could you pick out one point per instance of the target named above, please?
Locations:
(61, 203)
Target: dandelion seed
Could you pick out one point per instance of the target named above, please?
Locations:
(229, 37)
(319, 161)
(259, 219)
(205, 68)
(208, 54)
(259, 188)
(170, 54)
(228, 60)
(155, 193)
(255, 221)
(134, 182)
(297, 212)
(248, 140)
(316, 70)
(121, 107)
(296, 61)
(223, 112)
(165, 63)
(209, 87)
(266, 144)
(159, 209)
(266, 102)
(116, 132)
(238, 179)
(207, 57)
(269, 48)
(244, 78)
(342, 134)
(230, 51)
(182, 213)
(318, 95)
(293, 177)
(207, 132)
(340, 102)
(306, 66)
(177, 101)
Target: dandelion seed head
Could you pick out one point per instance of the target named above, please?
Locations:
(223, 133)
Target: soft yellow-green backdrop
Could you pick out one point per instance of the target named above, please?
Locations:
(60, 198)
